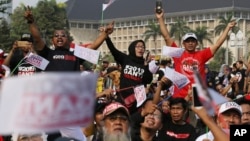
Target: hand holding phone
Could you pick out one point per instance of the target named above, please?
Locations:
(22, 43)
(195, 98)
(158, 6)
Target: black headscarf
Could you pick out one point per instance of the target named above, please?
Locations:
(131, 48)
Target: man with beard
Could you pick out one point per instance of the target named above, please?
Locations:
(116, 123)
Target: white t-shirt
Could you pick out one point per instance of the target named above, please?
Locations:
(207, 135)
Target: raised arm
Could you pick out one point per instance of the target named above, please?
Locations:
(105, 31)
(163, 28)
(9, 56)
(219, 134)
(27, 48)
(223, 37)
(161, 84)
(40, 44)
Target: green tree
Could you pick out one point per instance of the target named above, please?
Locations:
(219, 59)
(48, 15)
(179, 29)
(224, 21)
(221, 27)
(18, 24)
(153, 31)
(202, 34)
(109, 57)
(5, 40)
(4, 5)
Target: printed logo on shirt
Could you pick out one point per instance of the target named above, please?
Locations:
(26, 70)
(178, 136)
(133, 72)
(188, 65)
(64, 57)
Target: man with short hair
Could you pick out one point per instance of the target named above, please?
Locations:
(116, 124)
(242, 78)
(105, 66)
(61, 59)
(177, 129)
(191, 59)
(245, 107)
(16, 57)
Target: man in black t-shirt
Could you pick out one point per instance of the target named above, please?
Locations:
(61, 59)
(16, 57)
(241, 74)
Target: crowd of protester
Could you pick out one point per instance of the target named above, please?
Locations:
(167, 114)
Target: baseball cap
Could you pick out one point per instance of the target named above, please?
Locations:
(189, 35)
(111, 69)
(229, 106)
(114, 106)
(26, 37)
(100, 104)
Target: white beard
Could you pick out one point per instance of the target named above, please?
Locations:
(115, 137)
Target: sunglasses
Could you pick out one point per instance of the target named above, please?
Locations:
(60, 35)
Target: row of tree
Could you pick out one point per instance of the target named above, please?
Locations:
(48, 14)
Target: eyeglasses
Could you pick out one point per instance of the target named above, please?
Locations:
(60, 35)
(155, 116)
(115, 117)
(142, 47)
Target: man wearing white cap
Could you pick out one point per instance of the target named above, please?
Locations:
(191, 58)
(116, 123)
(229, 113)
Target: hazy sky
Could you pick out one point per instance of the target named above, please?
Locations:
(28, 2)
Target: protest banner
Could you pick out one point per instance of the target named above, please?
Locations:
(87, 54)
(140, 95)
(46, 102)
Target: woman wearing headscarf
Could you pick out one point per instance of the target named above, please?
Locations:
(134, 71)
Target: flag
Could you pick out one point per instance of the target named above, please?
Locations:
(208, 97)
(37, 61)
(106, 5)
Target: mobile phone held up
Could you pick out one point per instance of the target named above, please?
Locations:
(158, 6)
(195, 98)
(22, 43)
